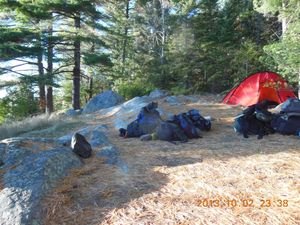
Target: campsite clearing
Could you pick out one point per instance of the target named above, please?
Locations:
(221, 178)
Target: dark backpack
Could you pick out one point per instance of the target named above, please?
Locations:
(184, 122)
(146, 122)
(291, 107)
(198, 120)
(168, 131)
(284, 124)
(133, 129)
(248, 125)
(81, 146)
(260, 111)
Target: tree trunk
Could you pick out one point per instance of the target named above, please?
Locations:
(162, 54)
(76, 69)
(42, 92)
(125, 37)
(299, 83)
(258, 30)
(163, 37)
(284, 21)
(90, 87)
(49, 97)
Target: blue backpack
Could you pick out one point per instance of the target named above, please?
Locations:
(288, 121)
(146, 122)
(198, 120)
(185, 124)
(291, 107)
(286, 124)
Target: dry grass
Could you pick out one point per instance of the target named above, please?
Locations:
(167, 184)
(15, 128)
(41, 125)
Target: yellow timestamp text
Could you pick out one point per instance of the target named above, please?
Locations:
(247, 202)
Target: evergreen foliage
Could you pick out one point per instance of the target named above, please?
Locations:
(81, 48)
(19, 103)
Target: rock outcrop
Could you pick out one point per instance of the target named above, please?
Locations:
(31, 168)
(128, 111)
(157, 93)
(104, 100)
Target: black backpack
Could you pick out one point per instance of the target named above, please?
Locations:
(185, 124)
(198, 120)
(146, 122)
(291, 107)
(249, 124)
(288, 121)
(284, 124)
(168, 131)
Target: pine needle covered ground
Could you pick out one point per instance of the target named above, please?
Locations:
(221, 178)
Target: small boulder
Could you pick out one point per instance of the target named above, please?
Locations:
(191, 99)
(80, 146)
(157, 93)
(72, 112)
(172, 100)
(104, 100)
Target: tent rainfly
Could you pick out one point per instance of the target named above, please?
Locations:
(258, 87)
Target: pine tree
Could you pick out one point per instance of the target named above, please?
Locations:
(286, 51)
(28, 16)
(82, 13)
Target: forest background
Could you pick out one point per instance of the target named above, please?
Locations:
(58, 54)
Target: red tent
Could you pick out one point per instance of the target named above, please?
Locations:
(258, 87)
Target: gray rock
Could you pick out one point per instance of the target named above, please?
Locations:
(134, 105)
(112, 156)
(101, 145)
(128, 111)
(72, 112)
(104, 100)
(157, 93)
(162, 112)
(95, 136)
(66, 139)
(121, 123)
(109, 152)
(172, 100)
(29, 175)
(98, 137)
(191, 99)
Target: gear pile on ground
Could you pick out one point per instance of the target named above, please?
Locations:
(257, 120)
(150, 126)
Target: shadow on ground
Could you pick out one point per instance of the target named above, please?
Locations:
(97, 190)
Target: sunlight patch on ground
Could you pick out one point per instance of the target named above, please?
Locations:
(220, 179)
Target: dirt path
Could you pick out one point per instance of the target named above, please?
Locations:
(194, 183)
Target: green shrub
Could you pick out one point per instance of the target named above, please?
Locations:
(132, 89)
(179, 90)
(19, 103)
